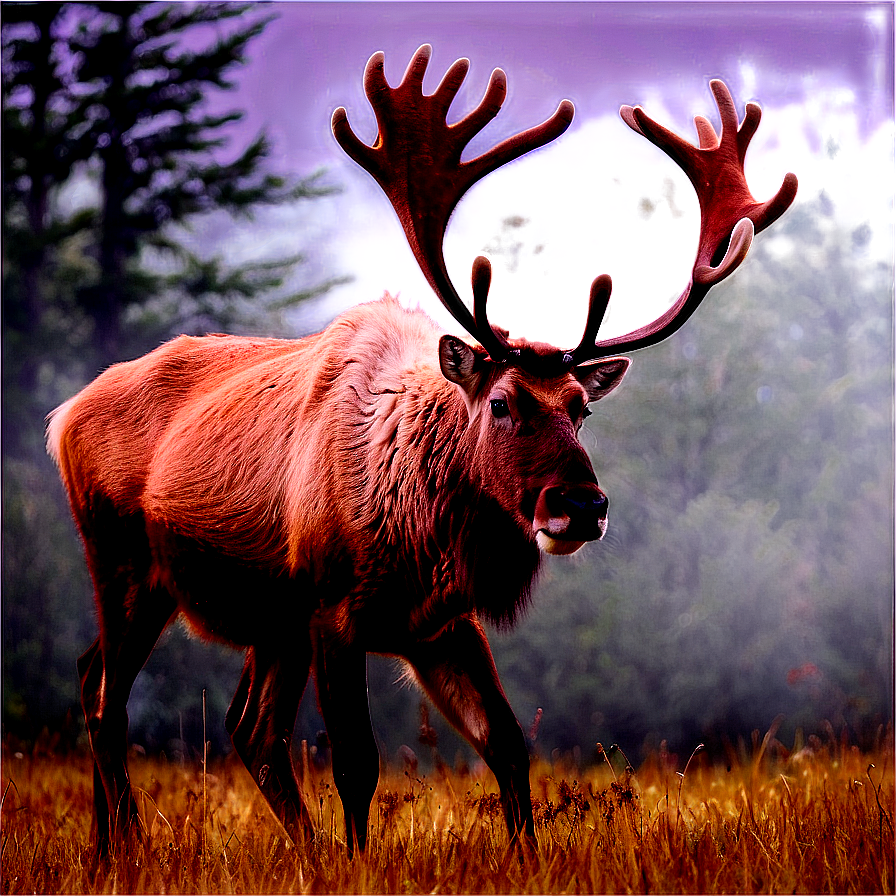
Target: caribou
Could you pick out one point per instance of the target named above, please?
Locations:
(379, 487)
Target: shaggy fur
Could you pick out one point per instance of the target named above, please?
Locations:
(336, 490)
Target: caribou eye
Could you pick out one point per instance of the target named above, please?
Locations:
(499, 407)
(578, 409)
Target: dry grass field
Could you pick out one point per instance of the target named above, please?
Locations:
(810, 822)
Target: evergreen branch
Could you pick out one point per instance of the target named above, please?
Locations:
(238, 186)
(177, 17)
(297, 298)
(166, 242)
(210, 66)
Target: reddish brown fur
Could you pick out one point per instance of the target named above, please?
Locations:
(338, 485)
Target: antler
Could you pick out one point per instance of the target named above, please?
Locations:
(416, 160)
(729, 216)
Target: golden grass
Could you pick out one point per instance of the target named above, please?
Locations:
(819, 823)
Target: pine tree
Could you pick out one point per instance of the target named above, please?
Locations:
(112, 90)
(44, 140)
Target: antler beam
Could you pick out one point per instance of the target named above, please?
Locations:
(729, 215)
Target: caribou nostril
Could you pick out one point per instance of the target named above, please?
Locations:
(577, 503)
(589, 505)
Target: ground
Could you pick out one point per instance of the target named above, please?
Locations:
(805, 821)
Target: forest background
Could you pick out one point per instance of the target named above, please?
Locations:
(749, 568)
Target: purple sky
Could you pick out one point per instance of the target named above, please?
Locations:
(597, 54)
(823, 73)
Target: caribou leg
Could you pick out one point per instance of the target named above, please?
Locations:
(341, 677)
(90, 671)
(129, 631)
(261, 719)
(458, 672)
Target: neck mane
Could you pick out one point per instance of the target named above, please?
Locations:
(459, 543)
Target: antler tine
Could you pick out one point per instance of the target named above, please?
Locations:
(706, 133)
(597, 308)
(449, 85)
(729, 215)
(490, 339)
(416, 160)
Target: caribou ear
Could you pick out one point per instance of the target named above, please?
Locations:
(460, 363)
(600, 378)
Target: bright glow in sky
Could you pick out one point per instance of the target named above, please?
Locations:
(601, 199)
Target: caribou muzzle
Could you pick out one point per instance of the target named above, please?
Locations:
(568, 516)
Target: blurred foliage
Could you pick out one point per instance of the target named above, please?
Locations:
(749, 566)
(748, 570)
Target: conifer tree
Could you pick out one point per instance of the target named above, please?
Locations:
(116, 86)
